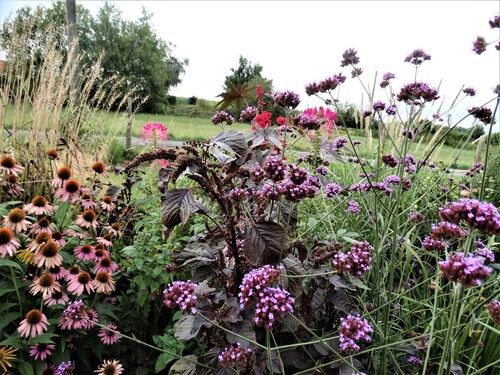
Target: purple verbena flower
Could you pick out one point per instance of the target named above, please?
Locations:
(356, 261)
(353, 207)
(222, 116)
(417, 57)
(272, 303)
(486, 253)
(352, 329)
(417, 93)
(180, 293)
(378, 106)
(286, 99)
(391, 110)
(248, 114)
(234, 356)
(321, 170)
(307, 121)
(255, 281)
(494, 310)
(479, 45)
(483, 114)
(333, 189)
(77, 316)
(431, 244)
(447, 231)
(416, 217)
(390, 160)
(467, 270)
(474, 170)
(275, 168)
(483, 216)
(414, 360)
(65, 368)
(469, 91)
(349, 57)
(408, 133)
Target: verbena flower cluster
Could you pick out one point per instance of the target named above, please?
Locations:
(248, 114)
(494, 310)
(255, 281)
(417, 57)
(222, 116)
(352, 330)
(482, 216)
(469, 270)
(328, 84)
(77, 316)
(356, 261)
(286, 99)
(417, 93)
(234, 356)
(180, 293)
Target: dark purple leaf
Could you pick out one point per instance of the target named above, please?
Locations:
(184, 366)
(341, 282)
(177, 205)
(296, 359)
(264, 243)
(243, 328)
(232, 142)
(339, 299)
(292, 266)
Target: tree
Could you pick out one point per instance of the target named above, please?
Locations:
(130, 50)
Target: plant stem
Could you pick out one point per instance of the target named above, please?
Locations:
(13, 275)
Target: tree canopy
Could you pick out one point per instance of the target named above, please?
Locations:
(128, 49)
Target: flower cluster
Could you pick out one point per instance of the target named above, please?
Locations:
(262, 120)
(154, 131)
(417, 57)
(467, 270)
(328, 84)
(432, 244)
(326, 115)
(234, 356)
(483, 216)
(386, 78)
(494, 310)
(222, 116)
(416, 217)
(255, 281)
(469, 91)
(474, 170)
(248, 114)
(479, 45)
(307, 121)
(352, 329)
(417, 93)
(390, 160)
(356, 261)
(483, 114)
(275, 168)
(378, 106)
(65, 368)
(332, 190)
(408, 133)
(447, 231)
(181, 293)
(77, 316)
(353, 207)
(272, 303)
(286, 99)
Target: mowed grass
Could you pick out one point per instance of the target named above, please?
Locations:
(187, 128)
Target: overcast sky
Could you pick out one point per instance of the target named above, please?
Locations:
(298, 42)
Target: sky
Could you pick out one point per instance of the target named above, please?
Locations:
(299, 42)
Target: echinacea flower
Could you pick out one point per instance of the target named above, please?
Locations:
(80, 283)
(70, 192)
(72, 273)
(6, 355)
(114, 229)
(100, 252)
(63, 174)
(103, 283)
(110, 368)
(84, 252)
(87, 219)
(104, 264)
(98, 167)
(58, 237)
(39, 206)
(107, 203)
(105, 240)
(41, 350)
(48, 255)
(9, 165)
(8, 242)
(34, 323)
(52, 153)
(109, 337)
(45, 284)
(16, 220)
(58, 297)
(49, 369)
(11, 186)
(39, 240)
(42, 225)
(87, 202)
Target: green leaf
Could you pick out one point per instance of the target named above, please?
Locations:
(24, 368)
(14, 341)
(10, 263)
(42, 339)
(129, 251)
(163, 360)
(139, 263)
(8, 318)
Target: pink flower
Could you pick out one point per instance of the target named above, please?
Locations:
(8, 242)
(110, 368)
(56, 298)
(9, 165)
(80, 283)
(154, 132)
(84, 252)
(105, 265)
(41, 351)
(70, 192)
(87, 220)
(39, 206)
(34, 323)
(108, 337)
(103, 283)
(16, 220)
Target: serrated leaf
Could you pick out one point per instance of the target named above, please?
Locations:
(233, 142)
(177, 205)
(264, 243)
(163, 360)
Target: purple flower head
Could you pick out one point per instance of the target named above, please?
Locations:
(367, 113)
(222, 116)
(474, 170)
(392, 180)
(331, 83)
(307, 121)
(353, 207)
(469, 91)
(339, 143)
(77, 316)
(494, 310)
(495, 23)
(467, 270)
(297, 175)
(255, 281)
(416, 217)
(414, 360)
(272, 303)
(312, 88)
(486, 253)
(356, 261)
(483, 114)
(180, 293)
(356, 72)
(286, 99)
(388, 76)
(431, 244)
(321, 170)
(332, 190)
(275, 168)
(408, 133)
(352, 329)
(234, 356)
(238, 194)
(479, 45)
(391, 110)
(248, 114)
(447, 231)
(483, 216)
(65, 368)
(417, 57)
(295, 193)
(349, 57)
(417, 93)
(378, 106)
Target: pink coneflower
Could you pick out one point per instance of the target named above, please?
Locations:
(45, 284)
(70, 192)
(87, 219)
(8, 242)
(9, 165)
(16, 220)
(41, 350)
(73, 272)
(84, 252)
(57, 272)
(58, 237)
(107, 203)
(40, 240)
(110, 368)
(105, 240)
(42, 225)
(48, 255)
(49, 369)
(103, 283)
(52, 153)
(87, 202)
(108, 337)
(11, 186)
(105, 265)
(98, 167)
(75, 234)
(34, 323)
(72, 341)
(114, 229)
(80, 283)
(63, 174)
(39, 206)
(100, 252)
(56, 298)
